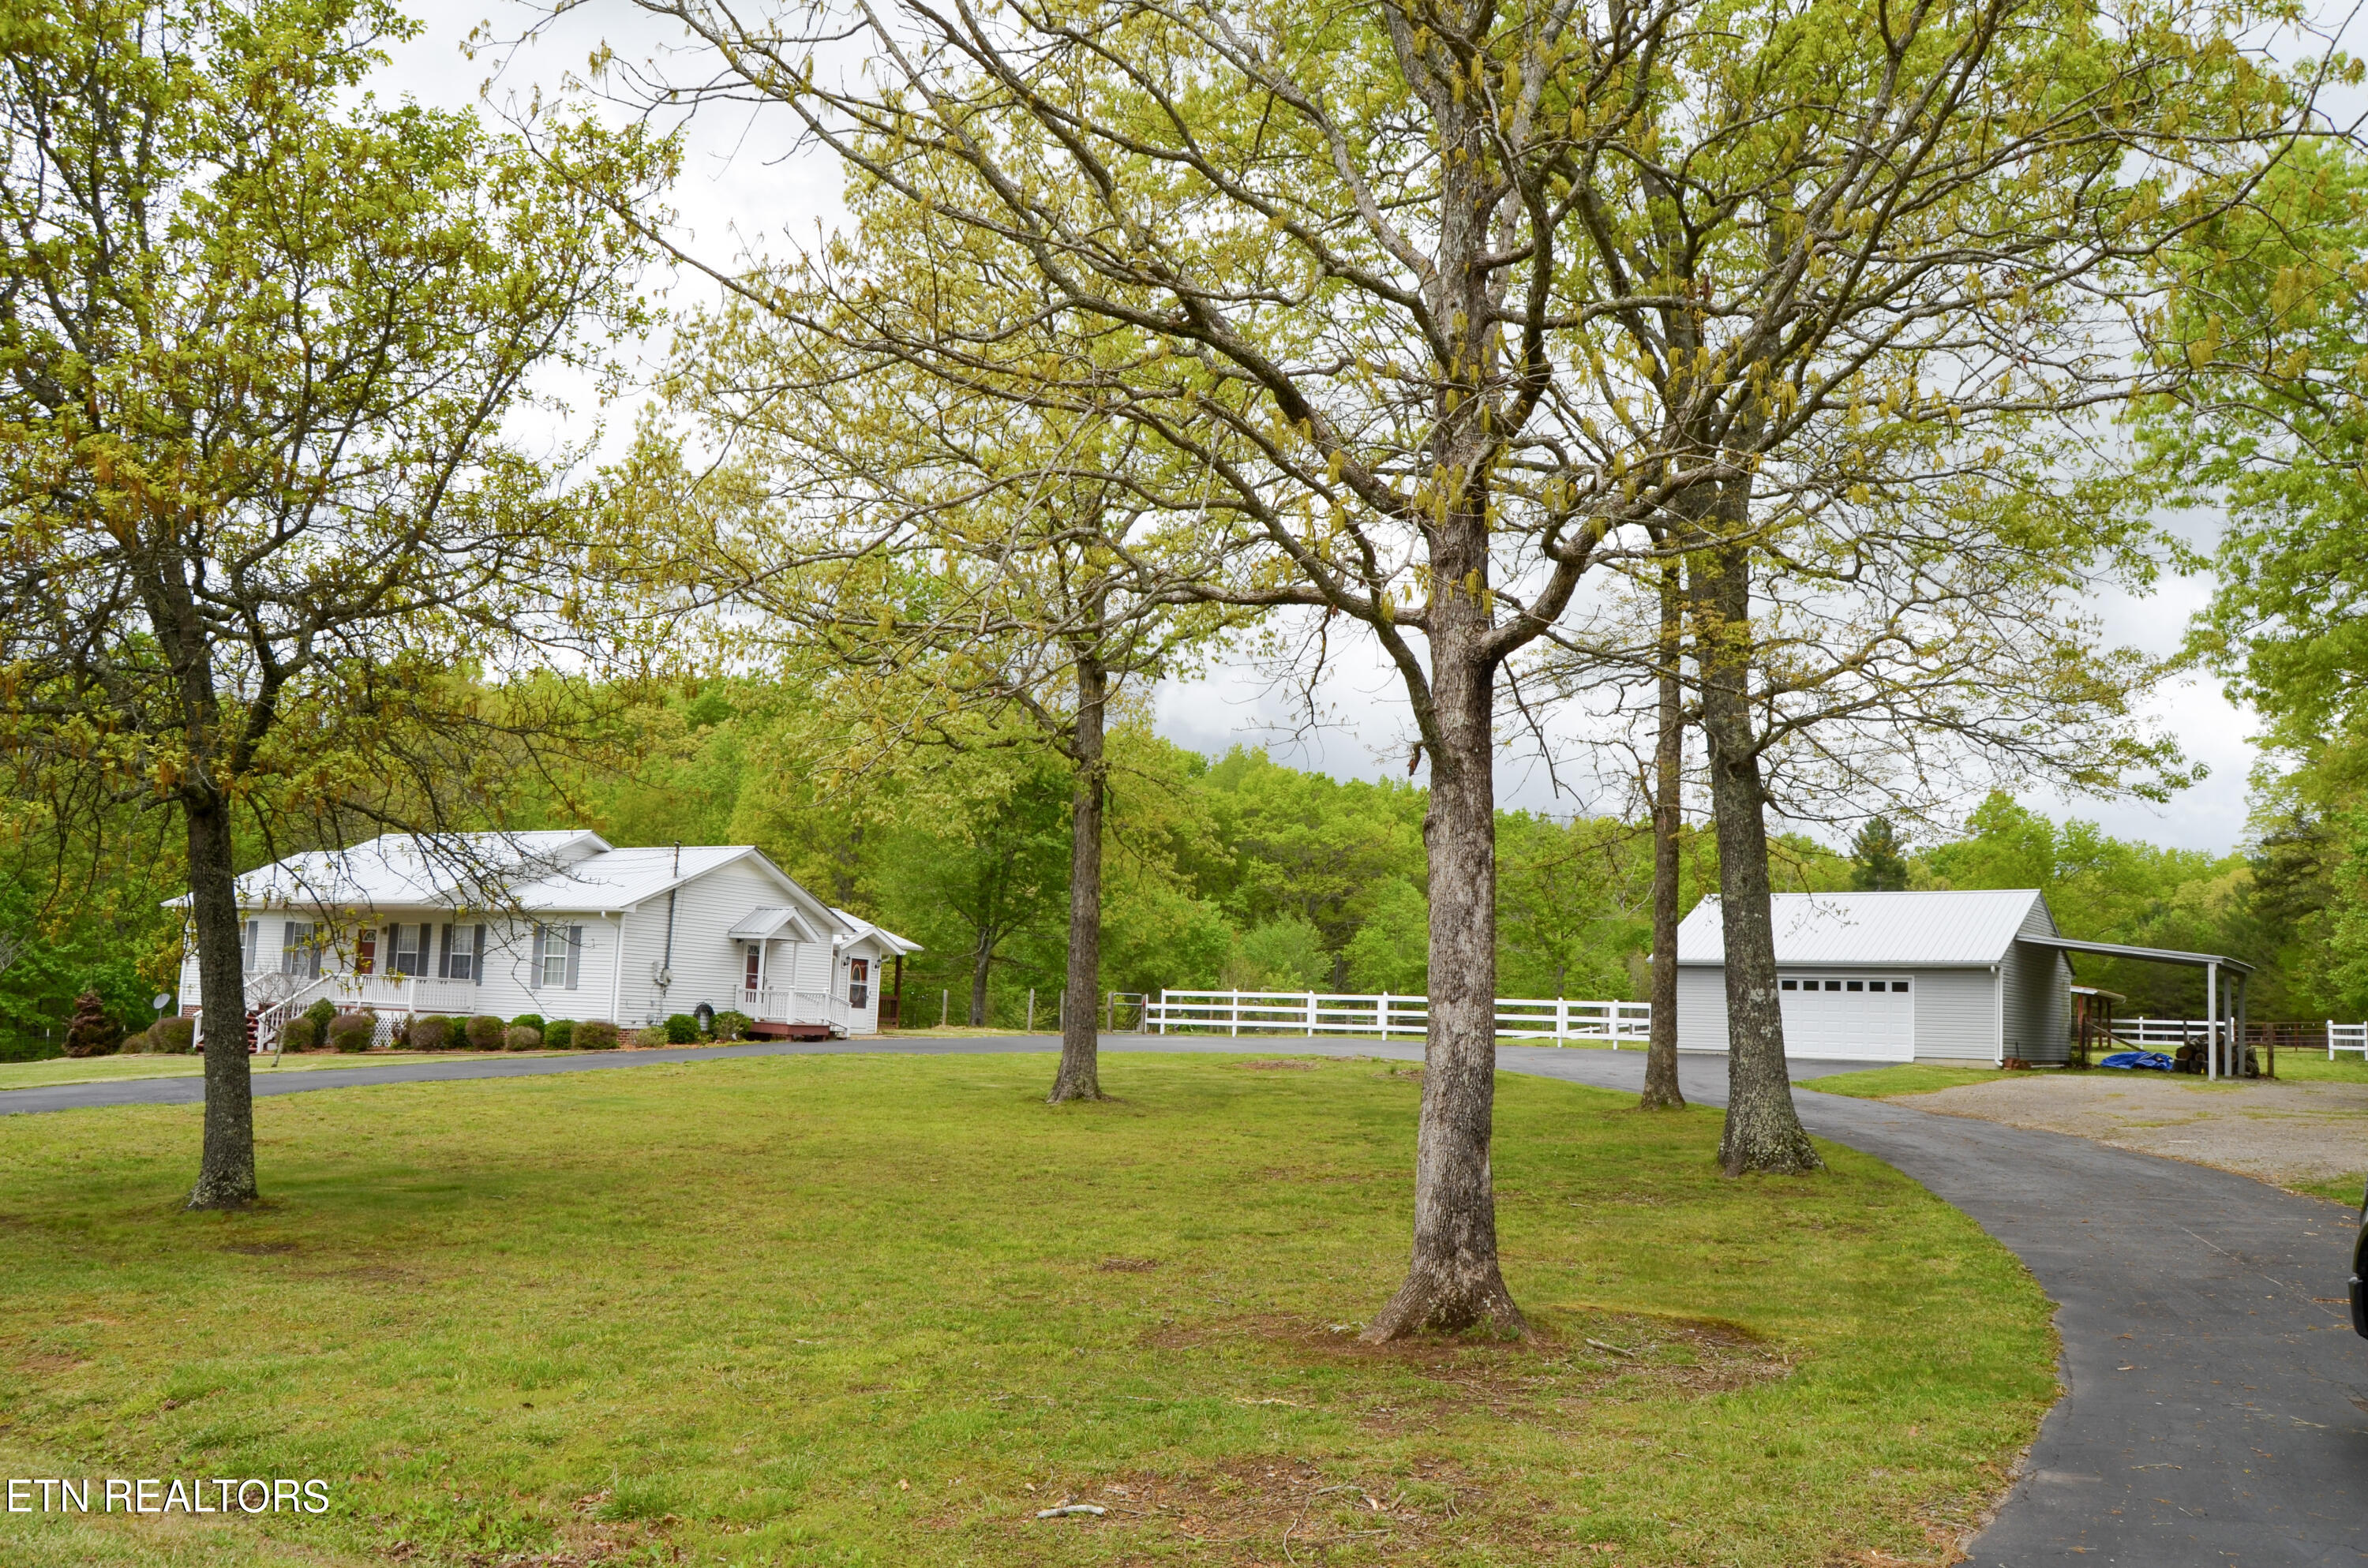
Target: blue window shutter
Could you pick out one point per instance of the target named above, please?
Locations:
(575, 955)
(477, 958)
(444, 954)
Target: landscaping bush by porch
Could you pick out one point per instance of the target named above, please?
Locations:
(596, 1034)
(352, 1032)
(559, 1035)
(298, 1033)
(431, 1033)
(518, 1037)
(682, 1028)
(914, 1305)
(485, 1032)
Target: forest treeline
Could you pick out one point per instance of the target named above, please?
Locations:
(1241, 872)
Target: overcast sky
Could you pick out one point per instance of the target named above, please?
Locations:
(745, 185)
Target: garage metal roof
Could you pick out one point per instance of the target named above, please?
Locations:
(1892, 928)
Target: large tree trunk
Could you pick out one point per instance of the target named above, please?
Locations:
(1452, 1281)
(226, 1168)
(1661, 1091)
(1763, 1129)
(982, 957)
(1079, 1077)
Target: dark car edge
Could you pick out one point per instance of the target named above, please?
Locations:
(2359, 1272)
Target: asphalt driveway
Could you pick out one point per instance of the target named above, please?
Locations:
(2216, 1402)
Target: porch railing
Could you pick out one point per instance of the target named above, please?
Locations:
(1385, 1016)
(275, 999)
(782, 1004)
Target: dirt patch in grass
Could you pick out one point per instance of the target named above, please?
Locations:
(1570, 1358)
(1127, 1264)
(1278, 1066)
(1283, 1509)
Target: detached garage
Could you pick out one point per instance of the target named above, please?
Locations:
(1894, 977)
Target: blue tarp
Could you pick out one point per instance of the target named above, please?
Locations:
(2154, 1060)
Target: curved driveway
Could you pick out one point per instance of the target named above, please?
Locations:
(2216, 1402)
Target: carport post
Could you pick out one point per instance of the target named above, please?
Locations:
(2210, 1021)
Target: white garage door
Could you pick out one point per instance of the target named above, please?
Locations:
(1849, 1018)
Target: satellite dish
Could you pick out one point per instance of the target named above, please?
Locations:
(161, 1000)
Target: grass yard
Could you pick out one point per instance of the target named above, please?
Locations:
(1905, 1078)
(108, 1069)
(864, 1310)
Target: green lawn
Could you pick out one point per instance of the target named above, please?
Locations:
(1905, 1078)
(106, 1069)
(865, 1310)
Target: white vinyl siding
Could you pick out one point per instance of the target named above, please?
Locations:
(1957, 1015)
(2037, 993)
(1702, 1007)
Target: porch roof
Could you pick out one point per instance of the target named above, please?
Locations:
(764, 922)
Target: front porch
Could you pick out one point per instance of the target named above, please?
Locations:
(781, 1012)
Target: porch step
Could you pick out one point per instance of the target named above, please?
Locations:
(765, 1029)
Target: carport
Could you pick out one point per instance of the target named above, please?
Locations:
(2224, 1038)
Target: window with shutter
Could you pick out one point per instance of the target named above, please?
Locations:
(575, 955)
(250, 945)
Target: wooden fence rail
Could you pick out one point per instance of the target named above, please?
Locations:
(1385, 1015)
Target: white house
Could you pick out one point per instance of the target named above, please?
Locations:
(1897, 977)
(560, 925)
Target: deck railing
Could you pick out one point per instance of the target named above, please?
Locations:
(1385, 1016)
(783, 1005)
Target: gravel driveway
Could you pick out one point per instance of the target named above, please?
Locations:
(2288, 1133)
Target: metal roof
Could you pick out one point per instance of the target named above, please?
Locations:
(765, 921)
(1897, 928)
(571, 871)
(888, 939)
(2154, 955)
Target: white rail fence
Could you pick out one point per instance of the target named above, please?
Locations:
(2347, 1037)
(1385, 1015)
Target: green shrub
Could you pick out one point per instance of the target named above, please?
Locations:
(682, 1028)
(518, 1039)
(560, 1035)
(321, 1012)
(485, 1032)
(352, 1032)
(300, 1033)
(432, 1034)
(650, 1039)
(596, 1034)
(732, 1025)
(175, 1035)
(528, 1021)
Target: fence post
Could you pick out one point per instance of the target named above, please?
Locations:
(1382, 1015)
(1029, 1028)
(1562, 1020)
(1110, 1015)
(1234, 1014)
(942, 1004)
(1311, 1015)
